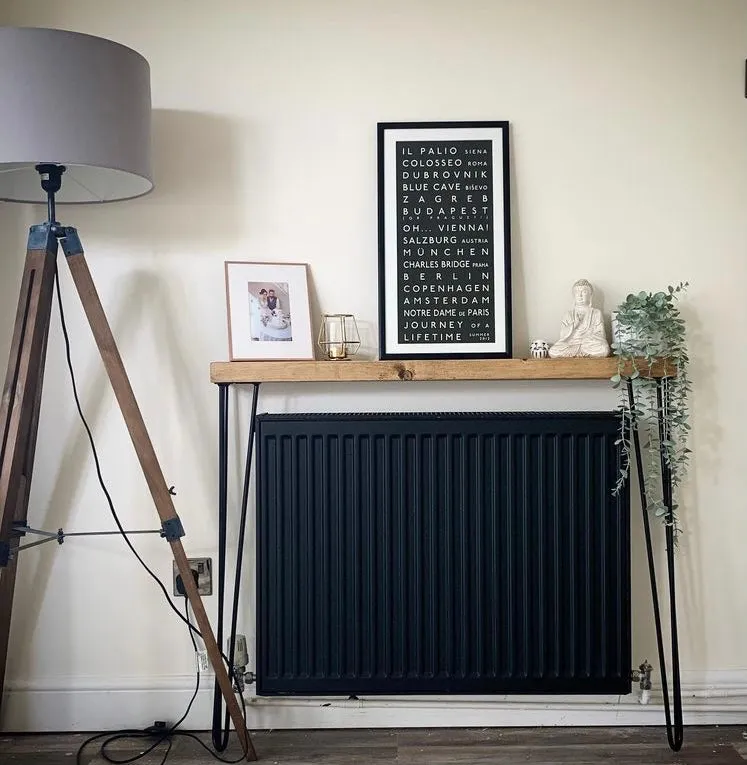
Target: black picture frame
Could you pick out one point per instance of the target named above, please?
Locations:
(444, 240)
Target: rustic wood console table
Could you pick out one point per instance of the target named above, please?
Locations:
(254, 373)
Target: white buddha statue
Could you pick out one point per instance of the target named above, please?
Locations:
(582, 329)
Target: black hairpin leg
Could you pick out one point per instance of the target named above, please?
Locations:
(675, 728)
(242, 520)
(220, 730)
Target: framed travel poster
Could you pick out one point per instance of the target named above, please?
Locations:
(444, 240)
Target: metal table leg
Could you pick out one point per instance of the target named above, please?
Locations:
(220, 730)
(675, 727)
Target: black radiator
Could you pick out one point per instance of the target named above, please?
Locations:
(441, 553)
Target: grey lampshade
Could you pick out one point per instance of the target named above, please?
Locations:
(75, 100)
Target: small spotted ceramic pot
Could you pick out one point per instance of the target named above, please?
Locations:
(539, 349)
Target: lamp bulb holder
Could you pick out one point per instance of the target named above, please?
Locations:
(51, 176)
(51, 182)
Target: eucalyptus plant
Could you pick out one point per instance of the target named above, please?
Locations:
(650, 329)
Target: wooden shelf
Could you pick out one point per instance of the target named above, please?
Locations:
(395, 371)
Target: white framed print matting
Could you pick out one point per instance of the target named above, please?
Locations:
(444, 240)
(269, 318)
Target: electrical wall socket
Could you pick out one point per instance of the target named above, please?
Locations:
(203, 665)
(204, 569)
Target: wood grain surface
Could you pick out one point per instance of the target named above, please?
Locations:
(494, 746)
(405, 371)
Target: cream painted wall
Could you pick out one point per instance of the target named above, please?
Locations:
(629, 167)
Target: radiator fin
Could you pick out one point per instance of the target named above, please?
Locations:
(450, 553)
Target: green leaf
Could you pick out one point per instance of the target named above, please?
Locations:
(651, 326)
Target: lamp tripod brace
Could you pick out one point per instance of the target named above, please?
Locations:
(19, 422)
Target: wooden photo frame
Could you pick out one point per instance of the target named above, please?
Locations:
(444, 240)
(269, 318)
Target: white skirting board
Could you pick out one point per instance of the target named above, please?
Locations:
(712, 698)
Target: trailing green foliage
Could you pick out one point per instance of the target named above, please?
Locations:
(649, 329)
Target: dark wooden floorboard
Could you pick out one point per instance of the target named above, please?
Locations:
(484, 746)
(566, 755)
(570, 736)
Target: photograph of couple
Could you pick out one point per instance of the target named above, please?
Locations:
(269, 311)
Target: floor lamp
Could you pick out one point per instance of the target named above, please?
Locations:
(75, 128)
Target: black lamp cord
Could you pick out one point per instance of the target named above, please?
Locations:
(161, 734)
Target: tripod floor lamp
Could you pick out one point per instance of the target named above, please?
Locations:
(75, 128)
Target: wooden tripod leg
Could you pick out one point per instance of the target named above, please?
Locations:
(150, 466)
(19, 410)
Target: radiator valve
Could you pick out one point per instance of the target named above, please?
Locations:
(644, 681)
(240, 660)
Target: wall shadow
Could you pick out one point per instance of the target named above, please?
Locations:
(186, 371)
(14, 228)
(195, 198)
(708, 433)
(193, 203)
(97, 399)
(519, 330)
